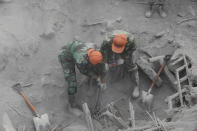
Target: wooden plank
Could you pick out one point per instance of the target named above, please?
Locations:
(116, 120)
(179, 89)
(147, 69)
(187, 71)
(181, 68)
(157, 58)
(88, 117)
(132, 115)
(170, 76)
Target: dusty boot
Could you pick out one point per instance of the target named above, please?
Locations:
(71, 99)
(74, 108)
(161, 11)
(136, 92)
(149, 12)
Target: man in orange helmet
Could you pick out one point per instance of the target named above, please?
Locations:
(89, 62)
(117, 50)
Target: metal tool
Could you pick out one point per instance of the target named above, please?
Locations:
(41, 122)
(97, 106)
(147, 97)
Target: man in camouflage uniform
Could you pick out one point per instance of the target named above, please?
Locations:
(156, 5)
(117, 49)
(88, 61)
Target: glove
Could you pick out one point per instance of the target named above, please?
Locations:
(120, 61)
(102, 84)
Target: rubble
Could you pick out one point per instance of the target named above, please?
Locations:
(32, 32)
(88, 117)
(160, 34)
(132, 115)
(148, 70)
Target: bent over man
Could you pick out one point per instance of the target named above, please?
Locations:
(117, 49)
(89, 62)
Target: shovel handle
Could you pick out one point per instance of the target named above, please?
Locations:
(156, 77)
(28, 102)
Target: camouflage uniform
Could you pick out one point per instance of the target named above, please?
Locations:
(75, 53)
(127, 55)
(154, 5)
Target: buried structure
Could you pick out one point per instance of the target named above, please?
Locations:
(123, 113)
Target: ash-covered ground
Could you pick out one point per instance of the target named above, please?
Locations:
(33, 31)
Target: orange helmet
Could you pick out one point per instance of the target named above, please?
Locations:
(94, 56)
(119, 42)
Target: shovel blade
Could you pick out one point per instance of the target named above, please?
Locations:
(42, 123)
(147, 99)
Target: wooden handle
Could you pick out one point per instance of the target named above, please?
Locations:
(157, 58)
(28, 102)
(156, 77)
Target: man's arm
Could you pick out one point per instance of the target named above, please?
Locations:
(129, 60)
(68, 66)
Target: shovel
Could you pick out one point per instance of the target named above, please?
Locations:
(147, 97)
(41, 122)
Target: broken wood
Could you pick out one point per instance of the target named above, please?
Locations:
(170, 99)
(155, 119)
(132, 115)
(151, 117)
(170, 76)
(150, 127)
(157, 58)
(175, 95)
(185, 20)
(88, 117)
(161, 124)
(137, 128)
(28, 85)
(117, 120)
(187, 71)
(94, 23)
(145, 66)
(179, 88)
(160, 34)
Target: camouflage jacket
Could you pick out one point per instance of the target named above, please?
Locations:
(110, 57)
(75, 53)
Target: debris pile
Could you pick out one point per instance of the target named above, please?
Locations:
(32, 32)
(183, 99)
